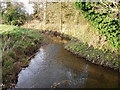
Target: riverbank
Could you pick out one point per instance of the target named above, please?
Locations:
(97, 56)
(19, 45)
(65, 18)
(94, 55)
(14, 59)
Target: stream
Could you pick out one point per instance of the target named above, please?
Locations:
(55, 67)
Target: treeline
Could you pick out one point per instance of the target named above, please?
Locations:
(105, 17)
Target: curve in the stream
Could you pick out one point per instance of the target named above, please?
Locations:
(53, 66)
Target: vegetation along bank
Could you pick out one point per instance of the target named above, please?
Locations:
(18, 47)
(96, 56)
(94, 28)
(107, 22)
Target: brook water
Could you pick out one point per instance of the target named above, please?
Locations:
(53, 66)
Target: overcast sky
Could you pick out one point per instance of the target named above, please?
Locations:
(28, 6)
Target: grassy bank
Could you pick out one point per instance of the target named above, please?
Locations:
(97, 56)
(18, 46)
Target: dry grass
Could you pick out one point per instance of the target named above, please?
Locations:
(70, 21)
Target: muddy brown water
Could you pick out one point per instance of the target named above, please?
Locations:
(53, 66)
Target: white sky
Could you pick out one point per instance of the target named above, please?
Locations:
(28, 7)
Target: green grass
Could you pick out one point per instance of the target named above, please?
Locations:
(98, 55)
(18, 44)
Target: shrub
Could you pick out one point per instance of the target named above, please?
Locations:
(13, 17)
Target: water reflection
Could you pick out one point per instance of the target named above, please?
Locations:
(78, 79)
(54, 66)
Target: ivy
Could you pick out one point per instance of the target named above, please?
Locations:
(102, 21)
